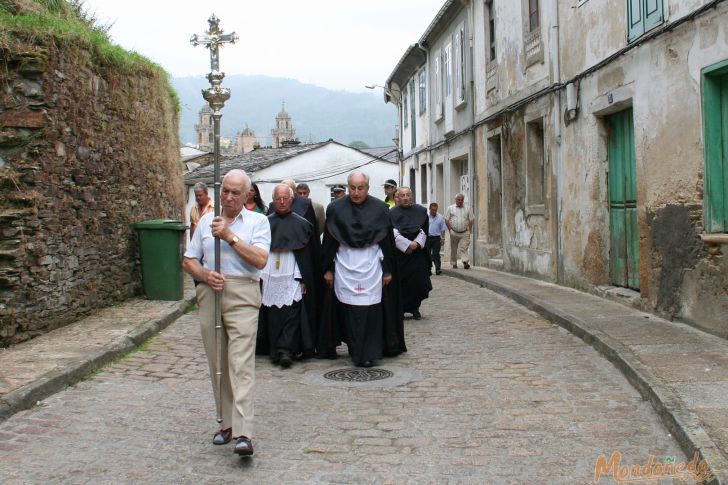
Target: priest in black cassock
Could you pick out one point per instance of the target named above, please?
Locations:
(362, 302)
(291, 284)
(411, 225)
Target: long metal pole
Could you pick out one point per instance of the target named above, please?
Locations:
(218, 294)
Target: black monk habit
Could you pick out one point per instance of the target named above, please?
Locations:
(369, 331)
(293, 328)
(414, 268)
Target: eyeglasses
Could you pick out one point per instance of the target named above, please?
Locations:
(281, 199)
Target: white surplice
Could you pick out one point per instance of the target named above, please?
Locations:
(280, 280)
(358, 275)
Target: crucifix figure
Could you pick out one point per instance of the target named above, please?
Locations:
(212, 41)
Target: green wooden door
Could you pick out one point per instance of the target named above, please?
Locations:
(715, 126)
(718, 178)
(624, 240)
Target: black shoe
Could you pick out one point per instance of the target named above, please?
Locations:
(438, 272)
(222, 437)
(285, 359)
(416, 315)
(366, 363)
(244, 447)
(466, 265)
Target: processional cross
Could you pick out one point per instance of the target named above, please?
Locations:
(216, 97)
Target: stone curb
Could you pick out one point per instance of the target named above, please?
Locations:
(56, 380)
(675, 415)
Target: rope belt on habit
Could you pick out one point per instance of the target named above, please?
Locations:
(459, 232)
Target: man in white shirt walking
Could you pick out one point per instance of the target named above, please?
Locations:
(459, 222)
(247, 237)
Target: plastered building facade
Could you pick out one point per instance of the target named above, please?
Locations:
(594, 133)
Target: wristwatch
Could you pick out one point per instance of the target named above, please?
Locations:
(234, 241)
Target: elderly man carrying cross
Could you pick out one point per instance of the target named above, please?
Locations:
(248, 237)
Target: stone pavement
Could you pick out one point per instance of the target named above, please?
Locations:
(489, 392)
(682, 371)
(33, 370)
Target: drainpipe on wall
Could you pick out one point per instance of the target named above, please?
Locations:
(472, 169)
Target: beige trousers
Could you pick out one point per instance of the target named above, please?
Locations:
(239, 303)
(459, 246)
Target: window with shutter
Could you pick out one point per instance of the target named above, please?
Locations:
(422, 82)
(438, 85)
(490, 15)
(460, 60)
(642, 16)
(413, 131)
(458, 71)
(533, 15)
(447, 69)
(405, 110)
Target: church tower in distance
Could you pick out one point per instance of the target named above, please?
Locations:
(205, 130)
(283, 134)
(246, 141)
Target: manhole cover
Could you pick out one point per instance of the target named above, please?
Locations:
(358, 375)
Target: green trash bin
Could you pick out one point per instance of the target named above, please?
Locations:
(161, 249)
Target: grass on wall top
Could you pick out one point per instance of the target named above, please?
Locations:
(38, 21)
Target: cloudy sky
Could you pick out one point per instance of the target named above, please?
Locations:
(337, 44)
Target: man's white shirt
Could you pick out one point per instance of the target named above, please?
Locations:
(250, 227)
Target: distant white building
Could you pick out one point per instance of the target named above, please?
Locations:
(320, 165)
(192, 158)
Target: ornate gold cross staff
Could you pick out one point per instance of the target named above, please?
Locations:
(216, 97)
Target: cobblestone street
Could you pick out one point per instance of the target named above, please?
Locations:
(489, 392)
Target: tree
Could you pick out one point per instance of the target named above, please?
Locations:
(359, 145)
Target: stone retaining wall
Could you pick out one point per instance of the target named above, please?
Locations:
(85, 150)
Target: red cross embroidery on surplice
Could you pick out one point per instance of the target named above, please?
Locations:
(359, 288)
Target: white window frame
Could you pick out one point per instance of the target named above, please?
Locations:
(490, 40)
(447, 69)
(422, 90)
(438, 85)
(405, 107)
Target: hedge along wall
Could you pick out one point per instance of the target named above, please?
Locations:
(88, 145)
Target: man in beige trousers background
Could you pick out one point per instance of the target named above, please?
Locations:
(459, 222)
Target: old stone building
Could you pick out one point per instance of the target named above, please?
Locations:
(594, 144)
(246, 141)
